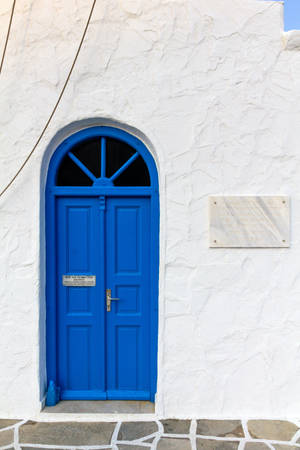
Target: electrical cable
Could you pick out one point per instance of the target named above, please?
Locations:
(7, 36)
(55, 106)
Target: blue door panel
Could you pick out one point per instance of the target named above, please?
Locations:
(131, 300)
(127, 356)
(125, 232)
(79, 301)
(78, 339)
(128, 323)
(81, 353)
(78, 243)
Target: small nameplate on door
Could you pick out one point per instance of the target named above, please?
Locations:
(79, 280)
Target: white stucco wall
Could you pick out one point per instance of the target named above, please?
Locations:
(214, 92)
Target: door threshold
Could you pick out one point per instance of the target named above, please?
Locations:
(79, 407)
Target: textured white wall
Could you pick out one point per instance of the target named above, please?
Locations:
(213, 89)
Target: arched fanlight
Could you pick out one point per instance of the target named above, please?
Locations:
(102, 161)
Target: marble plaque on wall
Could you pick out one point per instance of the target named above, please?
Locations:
(249, 221)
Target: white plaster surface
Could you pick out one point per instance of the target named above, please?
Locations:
(291, 40)
(257, 221)
(215, 95)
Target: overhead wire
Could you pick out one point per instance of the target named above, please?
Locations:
(7, 35)
(55, 106)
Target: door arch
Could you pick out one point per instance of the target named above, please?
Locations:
(102, 242)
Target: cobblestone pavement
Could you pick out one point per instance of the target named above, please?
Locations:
(157, 435)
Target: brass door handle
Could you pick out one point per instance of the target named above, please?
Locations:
(109, 298)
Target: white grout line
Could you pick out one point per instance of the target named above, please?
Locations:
(295, 437)
(158, 434)
(295, 422)
(176, 436)
(242, 444)
(15, 429)
(16, 439)
(16, 434)
(193, 429)
(160, 426)
(69, 447)
(142, 444)
(219, 438)
(245, 428)
(145, 438)
(114, 436)
(154, 443)
(11, 427)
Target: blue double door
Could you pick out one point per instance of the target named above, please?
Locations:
(101, 353)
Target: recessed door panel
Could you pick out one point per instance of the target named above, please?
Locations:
(78, 229)
(78, 300)
(127, 357)
(130, 303)
(127, 239)
(79, 358)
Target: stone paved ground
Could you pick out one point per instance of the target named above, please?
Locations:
(156, 435)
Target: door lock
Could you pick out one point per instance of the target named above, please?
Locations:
(109, 299)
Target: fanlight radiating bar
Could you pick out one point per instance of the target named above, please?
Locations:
(103, 164)
(124, 167)
(103, 157)
(82, 167)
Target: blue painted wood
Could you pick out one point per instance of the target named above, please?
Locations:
(77, 320)
(115, 133)
(82, 166)
(51, 303)
(103, 157)
(154, 268)
(124, 167)
(84, 395)
(128, 276)
(128, 395)
(80, 318)
(128, 191)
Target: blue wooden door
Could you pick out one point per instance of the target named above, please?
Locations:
(104, 354)
(81, 320)
(128, 322)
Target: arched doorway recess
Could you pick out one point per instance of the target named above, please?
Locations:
(102, 242)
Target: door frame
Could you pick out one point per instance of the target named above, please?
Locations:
(53, 191)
